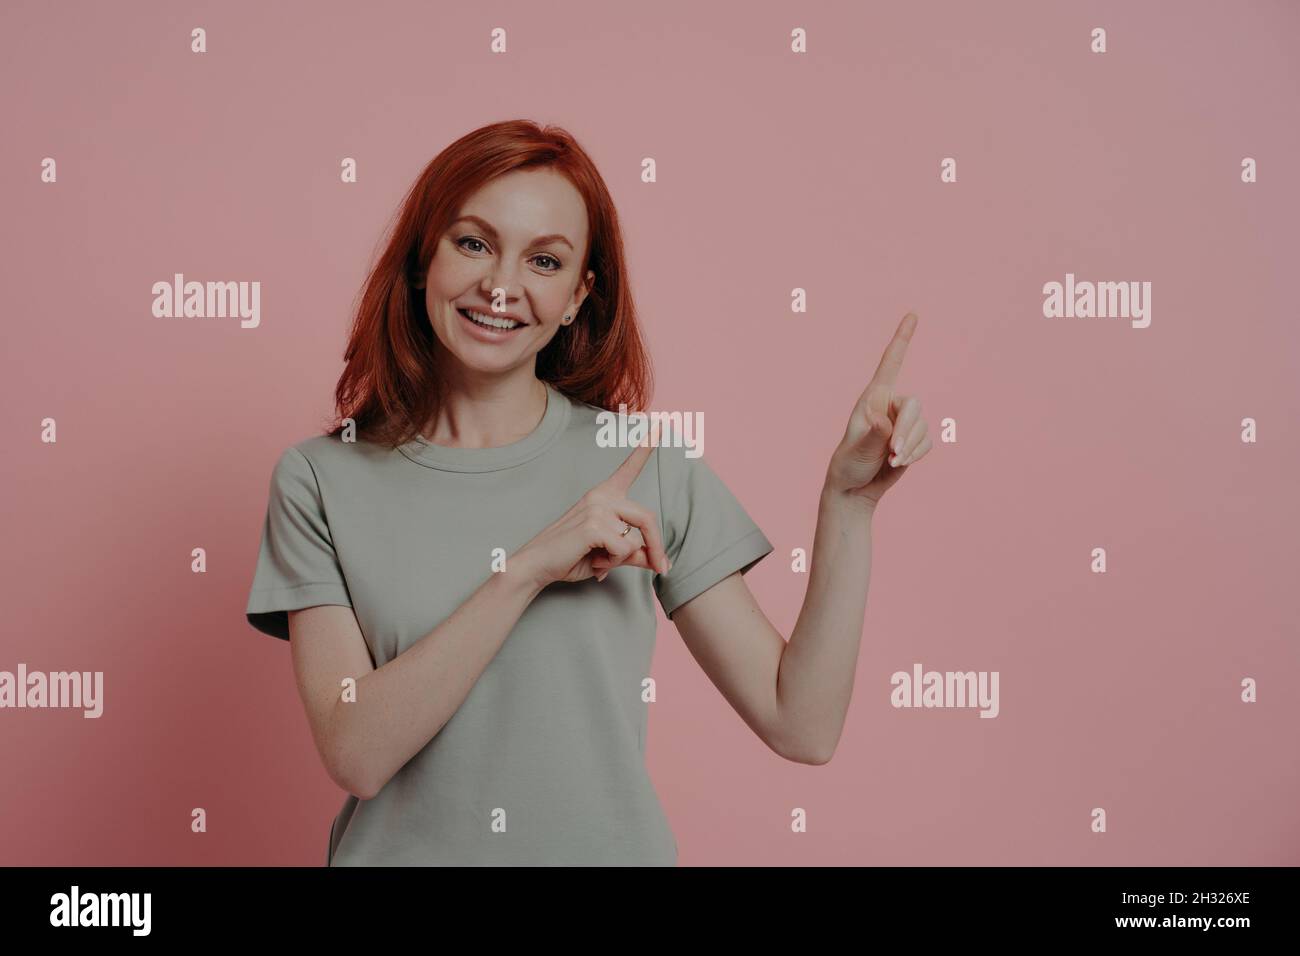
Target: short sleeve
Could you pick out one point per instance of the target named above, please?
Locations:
(707, 533)
(297, 566)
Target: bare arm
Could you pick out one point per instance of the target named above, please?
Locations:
(794, 696)
(400, 706)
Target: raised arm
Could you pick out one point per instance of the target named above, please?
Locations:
(795, 695)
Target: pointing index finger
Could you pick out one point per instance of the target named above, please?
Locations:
(626, 473)
(891, 363)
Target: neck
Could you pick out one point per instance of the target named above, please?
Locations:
(488, 412)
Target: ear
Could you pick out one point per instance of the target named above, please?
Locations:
(583, 290)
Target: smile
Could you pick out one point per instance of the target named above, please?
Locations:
(489, 327)
(491, 321)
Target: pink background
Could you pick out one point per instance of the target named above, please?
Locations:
(776, 171)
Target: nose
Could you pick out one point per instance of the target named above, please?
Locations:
(503, 279)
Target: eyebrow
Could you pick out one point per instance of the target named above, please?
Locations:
(488, 228)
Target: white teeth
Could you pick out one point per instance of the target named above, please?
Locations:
(492, 320)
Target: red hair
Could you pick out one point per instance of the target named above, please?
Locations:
(390, 385)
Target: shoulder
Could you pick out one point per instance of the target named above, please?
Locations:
(613, 433)
(302, 457)
(582, 416)
(318, 462)
(316, 450)
(331, 452)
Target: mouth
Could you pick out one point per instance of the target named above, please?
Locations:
(490, 326)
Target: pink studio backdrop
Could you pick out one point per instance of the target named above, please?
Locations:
(776, 170)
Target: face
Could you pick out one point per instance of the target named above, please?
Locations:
(514, 253)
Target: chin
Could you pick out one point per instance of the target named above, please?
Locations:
(477, 363)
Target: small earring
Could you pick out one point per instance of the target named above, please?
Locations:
(567, 320)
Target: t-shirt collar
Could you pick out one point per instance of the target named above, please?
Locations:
(421, 451)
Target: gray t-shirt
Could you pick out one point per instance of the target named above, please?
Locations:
(550, 740)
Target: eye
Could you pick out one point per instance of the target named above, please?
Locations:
(548, 257)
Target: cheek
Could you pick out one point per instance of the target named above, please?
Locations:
(449, 274)
(551, 301)
(434, 298)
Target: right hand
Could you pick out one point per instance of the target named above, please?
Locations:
(586, 542)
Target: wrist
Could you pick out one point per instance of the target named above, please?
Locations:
(522, 574)
(845, 502)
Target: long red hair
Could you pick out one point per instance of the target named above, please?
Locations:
(390, 385)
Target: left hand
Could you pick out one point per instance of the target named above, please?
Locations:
(886, 432)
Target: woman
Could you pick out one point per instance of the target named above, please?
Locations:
(467, 576)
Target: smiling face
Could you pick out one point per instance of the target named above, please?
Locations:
(512, 258)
